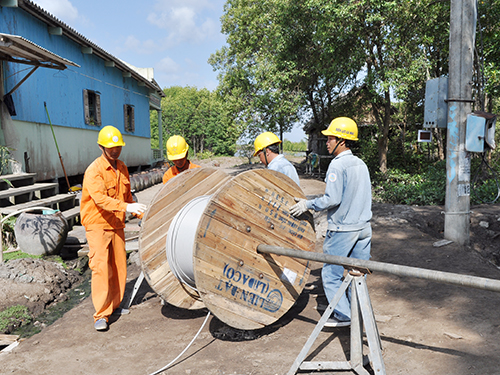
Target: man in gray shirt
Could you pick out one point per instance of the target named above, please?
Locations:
(348, 202)
(266, 146)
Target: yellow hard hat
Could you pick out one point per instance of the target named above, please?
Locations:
(177, 147)
(343, 127)
(109, 137)
(263, 140)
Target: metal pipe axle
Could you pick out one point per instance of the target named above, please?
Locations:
(394, 269)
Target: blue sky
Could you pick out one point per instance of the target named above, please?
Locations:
(175, 37)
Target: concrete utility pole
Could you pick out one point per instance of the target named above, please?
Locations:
(457, 204)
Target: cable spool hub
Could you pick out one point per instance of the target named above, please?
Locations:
(181, 239)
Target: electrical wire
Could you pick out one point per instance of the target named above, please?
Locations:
(19, 71)
(180, 240)
(173, 258)
(481, 80)
(186, 348)
(185, 216)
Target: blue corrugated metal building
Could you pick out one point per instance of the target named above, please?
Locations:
(51, 74)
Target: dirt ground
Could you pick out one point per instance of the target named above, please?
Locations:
(425, 327)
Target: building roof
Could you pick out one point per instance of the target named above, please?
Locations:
(67, 31)
(17, 49)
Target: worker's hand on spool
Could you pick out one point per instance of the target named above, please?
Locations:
(299, 208)
(136, 208)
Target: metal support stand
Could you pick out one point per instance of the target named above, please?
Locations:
(361, 313)
(137, 285)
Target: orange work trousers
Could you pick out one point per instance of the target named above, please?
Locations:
(108, 262)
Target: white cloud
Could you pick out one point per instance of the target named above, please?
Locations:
(167, 66)
(186, 21)
(132, 43)
(210, 27)
(62, 9)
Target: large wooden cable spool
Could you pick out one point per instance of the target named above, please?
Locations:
(243, 288)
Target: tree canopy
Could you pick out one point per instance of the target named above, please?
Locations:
(313, 60)
(200, 117)
(309, 61)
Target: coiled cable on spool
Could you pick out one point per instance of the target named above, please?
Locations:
(179, 248)
(181, 238)
(186, 348)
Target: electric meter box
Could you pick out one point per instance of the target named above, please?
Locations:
(480, 131)
(424, 136)
(436, 108)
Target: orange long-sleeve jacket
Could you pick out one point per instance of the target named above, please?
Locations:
(173, 171)
(105, 195)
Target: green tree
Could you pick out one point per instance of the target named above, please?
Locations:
(294, 146)
(199, 116)
(488, 54)
(313, 60)
(400, 49)
(277, 65)
(153, 122)
(333, 57)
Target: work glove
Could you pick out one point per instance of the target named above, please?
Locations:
(299, 208)
(136, 208)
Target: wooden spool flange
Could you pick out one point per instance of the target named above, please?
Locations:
(242, 288)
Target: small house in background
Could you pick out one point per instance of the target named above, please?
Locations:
(316, 141)
(317, 154)
(353, 101)
(57, 87)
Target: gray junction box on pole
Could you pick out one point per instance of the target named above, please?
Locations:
(436, 109)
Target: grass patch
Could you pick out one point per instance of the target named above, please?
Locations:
(427, 188)
(19, 255)
(398, 187)
(15, 315)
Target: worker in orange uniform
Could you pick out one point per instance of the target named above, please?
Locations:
(106, 198)
(177, 150)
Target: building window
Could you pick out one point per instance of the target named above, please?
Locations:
(92, 107)
(128, 115)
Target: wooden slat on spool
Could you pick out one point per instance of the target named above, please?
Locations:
(174, 195)
(242, 288)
